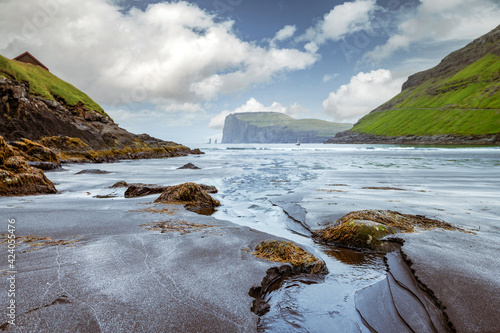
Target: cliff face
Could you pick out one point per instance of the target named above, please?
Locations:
(273, 127)
(57, 126)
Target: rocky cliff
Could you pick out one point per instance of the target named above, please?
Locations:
(456, 102)
(46, 121)
(274, 127)
(37, 105)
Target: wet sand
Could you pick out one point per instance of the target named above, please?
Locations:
(121, 277)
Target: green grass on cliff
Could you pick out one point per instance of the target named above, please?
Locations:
(44, 84)
(466, 104)
(265, 119)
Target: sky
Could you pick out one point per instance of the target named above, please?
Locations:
(176, 69)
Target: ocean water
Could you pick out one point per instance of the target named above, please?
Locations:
(263, 186)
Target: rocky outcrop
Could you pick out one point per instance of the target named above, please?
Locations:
(274, 127)
(37, 155)
(75, 133)
(140, 190)
(191, 195)
(17, 177)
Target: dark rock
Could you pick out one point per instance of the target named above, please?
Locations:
(189, 166)
(140, 190)
(92, 171)
(191, 195)
(45, 166)
(208, 188)
(19, 178)
(121, 183)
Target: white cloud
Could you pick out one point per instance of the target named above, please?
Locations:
(362, 94)
(438, 21)
(342, 20)
(171, 53)
(287, 32)
(252, 105)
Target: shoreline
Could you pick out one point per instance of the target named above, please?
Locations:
(117, 234)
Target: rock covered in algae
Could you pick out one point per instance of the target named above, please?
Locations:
(19, 178)
(287, 252)
(191, 195)
(366, 229)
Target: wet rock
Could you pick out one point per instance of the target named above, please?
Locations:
(45, 166)
(119, 184)
(189, 166)
(191, 195)
(19, 178)
(140, 190)
(301, 261)
(287, 252)
(93, 171)
(37, 155)
(366, 229)
(209, 188)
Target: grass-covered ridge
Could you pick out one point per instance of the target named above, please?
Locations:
(266, 119)
(468, 103)
(44, 84)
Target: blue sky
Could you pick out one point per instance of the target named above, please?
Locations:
(175, 69)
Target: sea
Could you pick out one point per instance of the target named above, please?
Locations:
(287, 190)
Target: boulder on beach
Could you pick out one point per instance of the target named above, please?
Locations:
(19, 178)
(191, 195)
(367, 228)
(93, 171)
(140, 190)
(288, 252)
(189, 166)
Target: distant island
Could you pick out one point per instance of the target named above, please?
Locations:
(456, 102)
(275, 127)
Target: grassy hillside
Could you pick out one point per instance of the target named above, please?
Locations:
(265, 119)
(467, 103)
(46, 85)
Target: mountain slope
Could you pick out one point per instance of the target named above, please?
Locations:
(458, 101)
(275, 127)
